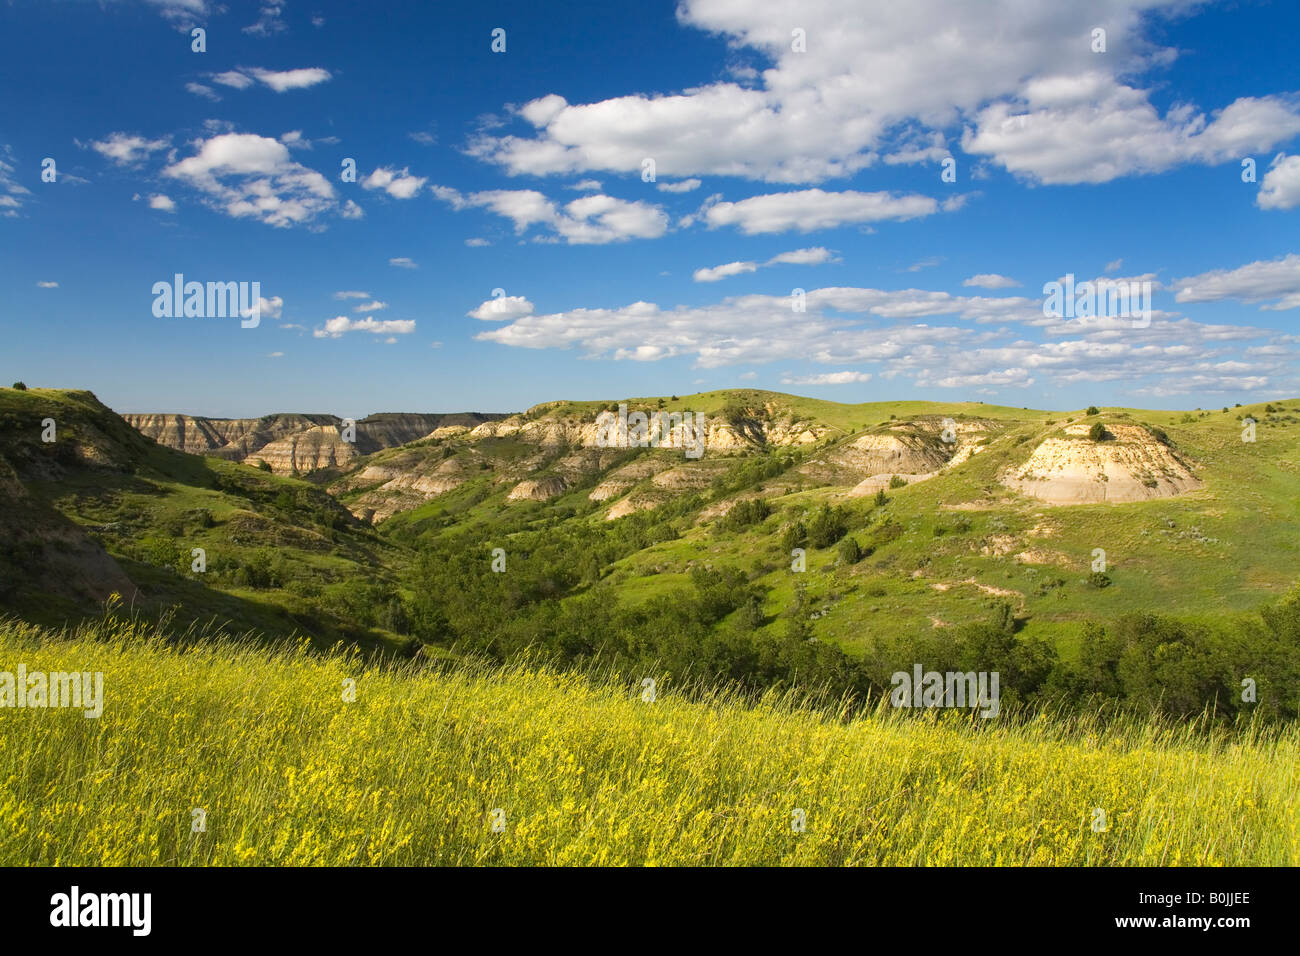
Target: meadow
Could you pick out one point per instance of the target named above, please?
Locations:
(525, 765)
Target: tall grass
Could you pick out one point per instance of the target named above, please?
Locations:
(585, 772)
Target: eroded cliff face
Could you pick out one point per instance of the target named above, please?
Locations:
(1130, 465)
(294, 443)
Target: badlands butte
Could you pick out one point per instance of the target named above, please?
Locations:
(957, 510)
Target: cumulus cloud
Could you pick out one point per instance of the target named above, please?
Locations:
(684, 186)
(892, 333)
(721, 272)
(372, 306)
(1281, 186)
(207, 92)
(250, 176)
(268, 23)
(352, 294)
(271, 308)
(590, 220)
(340, 325)
(402, 262)
(161, 202)
(828, 378)
(991, 280)
(811, 209)
(502, 308)
(12, 192)
(812, 256)
(879, 82)
(1275, 282)
(799, 257)
(1039, 136)
(279, 80)
(399, 184)
(126, 150)
(46, 284)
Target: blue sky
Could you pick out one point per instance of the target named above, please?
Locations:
(775, 168)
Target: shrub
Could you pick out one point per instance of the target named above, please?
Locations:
(1093, 410)
(744, 513)
(850, 552)
(1097, 432)
(20, 386)
(1099, 579)
(881, 500)
(898, 481)
(827, 526)
(795, 536)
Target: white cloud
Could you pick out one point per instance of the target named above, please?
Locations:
(813, 256)
(268, 22)
(271, 308)
(245, 175)
(1261, 281)
(207, 92)
(503, 308)
(476, 242)
(350, 210)
(279, 80)
(883, 82)
(1089, 128)
(685, 186)
(829, 378)
(233, 78)
(586, 185)
(1114, 265)
(402, 262)
(126, 150)
(1281, 186)
(276, 355)
(902, 333)
(11, 191)
(45, 284)
(399, 184)
(348, 294)
(372, 306)
(721, 272)
(810, 209)
(283, 80)
(340, 325)
(161, 202)
(991, 280)
(590, 220)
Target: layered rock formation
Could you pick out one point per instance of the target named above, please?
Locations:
(292, 443)
(1131, 465)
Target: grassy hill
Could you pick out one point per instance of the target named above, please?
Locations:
(582, 770)
(280, 555)
(917, 546)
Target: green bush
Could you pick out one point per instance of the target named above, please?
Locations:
(1099, 579)
(1093, 410)
(20, 386)
(850, 552)
(898, 481)
(1097, 432)
(828, 525)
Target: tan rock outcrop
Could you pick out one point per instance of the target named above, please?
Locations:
(1071, 469)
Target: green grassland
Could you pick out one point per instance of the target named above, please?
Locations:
(285, 557)
(581, 769)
